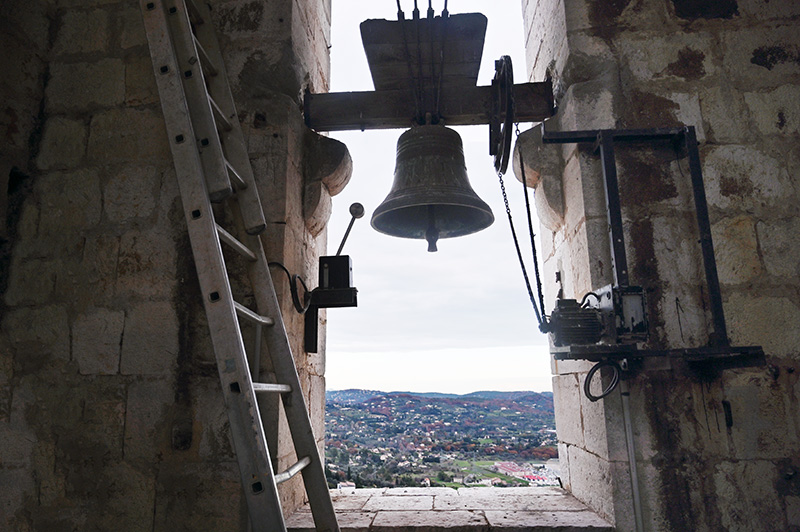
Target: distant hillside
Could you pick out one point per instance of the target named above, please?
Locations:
(354, 396)
(351, 396)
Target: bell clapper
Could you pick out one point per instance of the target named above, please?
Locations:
(431, 233)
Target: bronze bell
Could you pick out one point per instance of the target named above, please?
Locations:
(431, 197)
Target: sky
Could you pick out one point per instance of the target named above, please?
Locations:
(455, 321)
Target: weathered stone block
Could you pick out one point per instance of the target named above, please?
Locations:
(569, 417)
(677, 57)
(132, 34)
(760, 56)
(199, 497)
(30, 282)
(140, 83)
(776, 112)
(211, 420)
(131, 193)
(793, 511)
(772, 322)
(147, 427)
(82, 32)
(28, 19)
(146, 264)
(746, 491)
(16, 447)
(96, 339)
(778, 245)
(85, 86)
(591, 481)
(744, 177)
(63, 143)
(128, 496)
(124, 135)
(760, 416)
(736, 249)
(150, 341)
(38, 330)
(12, 500)
(69, 201)
(725, 116)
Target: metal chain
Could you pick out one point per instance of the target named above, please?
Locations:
(519, 251)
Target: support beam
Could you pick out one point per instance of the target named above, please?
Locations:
(343, 111)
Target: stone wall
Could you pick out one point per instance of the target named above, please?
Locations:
(731, 70)
(111, 415)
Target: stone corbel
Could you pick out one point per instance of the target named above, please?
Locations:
(328, 168)
(544, 168)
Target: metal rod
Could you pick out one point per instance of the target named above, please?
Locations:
(618, 258)
(235, 244)
(625, 394)
(265, 387)
(706, 243)
(246, 313)
(356, 211)
(619, 135)
(293, 470)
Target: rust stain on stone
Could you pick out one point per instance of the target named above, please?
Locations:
(707, 9)
(729, 186)
(688, 66)
(644, 272)
(604, 14)
(246, 17)
(649, 110)
(781, 123)
(771, 56)
(644, 178)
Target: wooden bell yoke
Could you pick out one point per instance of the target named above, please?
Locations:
(425, 70)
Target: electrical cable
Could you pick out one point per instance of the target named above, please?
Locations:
(586, 296)
(530, 226)
(611, 386)
(293, 280)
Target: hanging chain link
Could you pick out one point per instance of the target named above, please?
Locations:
(539, 317)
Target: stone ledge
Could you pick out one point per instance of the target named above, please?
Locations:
(451, 510)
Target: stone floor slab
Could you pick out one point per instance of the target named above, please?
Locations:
(516, 521)
(303, 521)
(462, 510)
(430, 521)
(400, 502)
(502, 501)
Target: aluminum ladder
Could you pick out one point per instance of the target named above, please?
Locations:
(211, 162)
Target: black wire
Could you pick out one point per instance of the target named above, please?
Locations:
(519, 253)
(530, 229)
(299, 306)
(586, 296)
(611, 386)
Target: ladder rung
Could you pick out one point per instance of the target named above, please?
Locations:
(208, 66)
(235, 244)
(235, 177)
(245, 312)
(292, 471)
(222, 121)
(194, 12)
(263, 387)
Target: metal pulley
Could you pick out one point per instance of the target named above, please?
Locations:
(431, 197)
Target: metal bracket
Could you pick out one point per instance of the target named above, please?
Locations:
(705, 360)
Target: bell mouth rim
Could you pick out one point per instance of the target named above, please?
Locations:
(481, 217)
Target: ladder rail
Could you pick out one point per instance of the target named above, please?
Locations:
(233, 139)
(294, 403)
(202, 150)
(258, 479)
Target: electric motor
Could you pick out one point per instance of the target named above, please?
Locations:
(571, 324)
